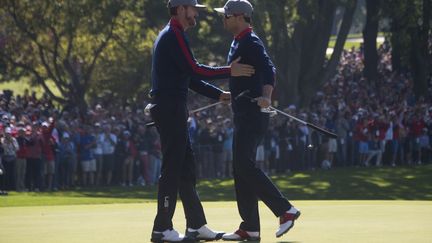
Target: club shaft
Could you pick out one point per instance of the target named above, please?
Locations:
(290, 116)
(330, 134)
(150, 124)
(206, 107)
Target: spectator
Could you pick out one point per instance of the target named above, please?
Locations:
(228, 132)
(130, 153)
(10, 147)
(67, 161)
(302, 142)
(3, 191)
(155, 156)
(374, 149)
(342, 129)
(331, 143)
(425, 147)
(21, 161)
(143, 146)
(217, 149)
(34, 159)
(48, 158)
(108, 141)
(98, 154)
(88, 161)
(362, 135)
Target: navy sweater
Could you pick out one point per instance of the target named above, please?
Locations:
(175, 69)
(250, 48)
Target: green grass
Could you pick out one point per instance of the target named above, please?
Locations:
(351, 41)
(384, 183)
(348, 44)
(340, 205)
(354, 36)
(19, 87)
(321, 221)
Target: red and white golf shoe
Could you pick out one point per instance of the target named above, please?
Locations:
(286, 221)
(242, 235)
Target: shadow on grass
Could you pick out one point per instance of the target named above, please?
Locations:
(384, 183)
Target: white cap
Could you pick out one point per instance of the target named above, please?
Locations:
(233, 7)
(8, 130)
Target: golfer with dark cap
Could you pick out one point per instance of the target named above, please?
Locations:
(174, 71)
(250, 125)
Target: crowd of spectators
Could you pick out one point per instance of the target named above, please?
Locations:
(378, 123)
(43, 148)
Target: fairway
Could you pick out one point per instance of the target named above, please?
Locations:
(321, 221)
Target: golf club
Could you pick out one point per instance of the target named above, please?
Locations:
(149, 106)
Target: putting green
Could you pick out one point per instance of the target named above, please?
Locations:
(321, 221)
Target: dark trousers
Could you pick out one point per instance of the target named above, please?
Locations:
(251, 183)
(34, 173)
(9, 173)
(178, 167)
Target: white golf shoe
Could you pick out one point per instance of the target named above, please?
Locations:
(203, 233)
(286, 221)
(166, 236)
(242, 235)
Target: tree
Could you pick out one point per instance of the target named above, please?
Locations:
(299, 34)
(296, 34)
(329, 69)
(86, 47)
(410, 37)
(58, 41)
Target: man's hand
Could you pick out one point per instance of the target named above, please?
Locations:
(225, 97)
(263, 102)
(238, 69)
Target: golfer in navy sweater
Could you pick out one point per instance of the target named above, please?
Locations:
(250, 125)
(174, 71)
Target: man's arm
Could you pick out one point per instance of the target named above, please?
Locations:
(184, 58)
(262, 62)
(210, 91)
(204, 88)
(265, 66)
(264, 101)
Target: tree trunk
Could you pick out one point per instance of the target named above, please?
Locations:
(330, 69)
(315, 48)
(396, 45)
(419, 54)
(286, 54)
(370, 34)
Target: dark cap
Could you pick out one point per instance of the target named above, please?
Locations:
(236, 7)
(175, 3)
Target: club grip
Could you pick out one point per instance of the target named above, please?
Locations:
(330, 134)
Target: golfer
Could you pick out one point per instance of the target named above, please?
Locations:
(174, 71)
(250, 125)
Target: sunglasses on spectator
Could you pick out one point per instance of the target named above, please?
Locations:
(227, 16)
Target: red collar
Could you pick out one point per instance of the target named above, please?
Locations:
(243, 33)
(174, 22)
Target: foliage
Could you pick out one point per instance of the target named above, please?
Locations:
(87, 48)
(410, 36)
(78, 45)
